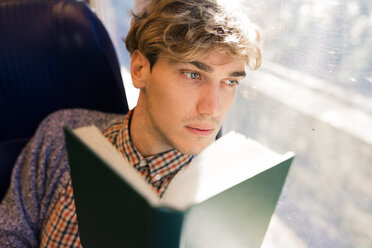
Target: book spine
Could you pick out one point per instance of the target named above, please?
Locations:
(165, 228)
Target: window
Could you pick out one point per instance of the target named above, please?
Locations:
(313, 95)
(115, 14)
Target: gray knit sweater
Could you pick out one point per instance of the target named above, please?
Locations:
(40, 173)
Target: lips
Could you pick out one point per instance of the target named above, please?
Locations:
(200, 130)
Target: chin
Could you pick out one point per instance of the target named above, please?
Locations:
(194, 148)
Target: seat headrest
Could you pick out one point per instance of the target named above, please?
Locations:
(54, 55)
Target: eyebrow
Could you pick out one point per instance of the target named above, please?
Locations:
(207, 68)
(204, 67)
(238, 74)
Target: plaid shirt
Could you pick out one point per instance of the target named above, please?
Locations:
(61, 228)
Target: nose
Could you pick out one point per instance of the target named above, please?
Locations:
(209, 102)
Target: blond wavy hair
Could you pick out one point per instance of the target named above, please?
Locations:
(186, 29)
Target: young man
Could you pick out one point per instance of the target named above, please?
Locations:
(187, 57)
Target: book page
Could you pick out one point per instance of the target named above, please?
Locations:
(227, 162)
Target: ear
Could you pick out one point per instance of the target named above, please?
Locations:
(139, 69)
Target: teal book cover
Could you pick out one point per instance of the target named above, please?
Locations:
(116, 208)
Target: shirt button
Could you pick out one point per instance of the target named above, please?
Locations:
(143, 162)
(157, 177)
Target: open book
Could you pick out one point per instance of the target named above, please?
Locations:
(224, 198)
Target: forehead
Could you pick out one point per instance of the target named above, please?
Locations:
(218, 58)
(207, 61)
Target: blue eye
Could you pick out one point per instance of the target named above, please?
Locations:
(192, 75)
(231, 82)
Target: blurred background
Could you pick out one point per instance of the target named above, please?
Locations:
(313, 96)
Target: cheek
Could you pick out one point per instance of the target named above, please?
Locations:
(177, 105)
(227, 100)
(169, 102)
(174, 96)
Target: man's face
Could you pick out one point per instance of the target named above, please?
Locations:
(184, 104)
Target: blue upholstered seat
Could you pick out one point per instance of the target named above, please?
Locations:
(53, 55)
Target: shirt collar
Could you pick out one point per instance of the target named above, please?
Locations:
(160, 165)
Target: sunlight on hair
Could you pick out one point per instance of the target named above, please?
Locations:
(186, 29)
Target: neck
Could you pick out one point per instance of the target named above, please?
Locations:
(142, 133)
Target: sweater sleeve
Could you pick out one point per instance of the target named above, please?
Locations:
(40, 172)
